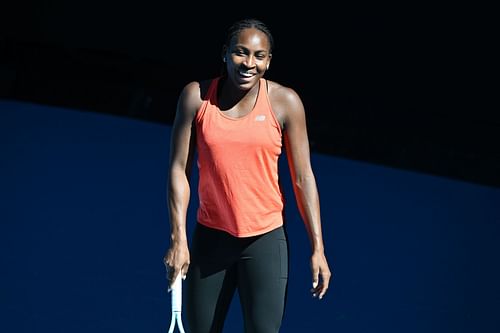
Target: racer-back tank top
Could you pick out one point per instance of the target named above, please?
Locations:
(238, 187)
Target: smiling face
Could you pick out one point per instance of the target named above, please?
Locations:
(247, 57)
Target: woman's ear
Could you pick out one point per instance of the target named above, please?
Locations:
(223, 53)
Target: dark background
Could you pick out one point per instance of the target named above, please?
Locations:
(406, 85)
(404, 130)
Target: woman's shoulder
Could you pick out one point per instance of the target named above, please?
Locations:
(281, 95)
(194, 92)
(196, 88)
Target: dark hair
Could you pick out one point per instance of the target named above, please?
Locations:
(243, 24)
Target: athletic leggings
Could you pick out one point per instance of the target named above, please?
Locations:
(257, 267)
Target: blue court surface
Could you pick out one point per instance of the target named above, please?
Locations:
(84, 227)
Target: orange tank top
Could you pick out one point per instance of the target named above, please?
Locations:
(238, 187)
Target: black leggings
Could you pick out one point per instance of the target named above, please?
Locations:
(221, 264)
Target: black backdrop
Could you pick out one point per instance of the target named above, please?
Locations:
(403, 85)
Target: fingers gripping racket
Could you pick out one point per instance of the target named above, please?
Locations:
(176, 294)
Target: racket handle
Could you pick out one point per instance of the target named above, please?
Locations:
(176, 291)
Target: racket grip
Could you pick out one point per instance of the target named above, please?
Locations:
(177, 294)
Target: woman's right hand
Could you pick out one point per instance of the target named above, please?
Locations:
(176, 261)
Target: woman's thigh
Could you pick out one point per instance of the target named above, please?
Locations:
(262, 282)
(211, 281)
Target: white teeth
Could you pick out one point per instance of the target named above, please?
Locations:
(246, 74)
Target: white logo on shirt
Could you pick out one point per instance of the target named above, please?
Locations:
(260, 117)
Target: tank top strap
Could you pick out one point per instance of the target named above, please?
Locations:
(210, 97)
(263, 103)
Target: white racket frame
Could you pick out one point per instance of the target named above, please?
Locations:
(176, 299)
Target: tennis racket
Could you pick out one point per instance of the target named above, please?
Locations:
(176, 294)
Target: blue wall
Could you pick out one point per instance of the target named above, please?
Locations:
(83, 230)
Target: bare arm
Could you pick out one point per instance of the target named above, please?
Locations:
(305, 187)
(182, 145)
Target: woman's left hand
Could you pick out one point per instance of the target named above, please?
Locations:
(320, 274)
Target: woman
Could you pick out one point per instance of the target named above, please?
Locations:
(237, 123)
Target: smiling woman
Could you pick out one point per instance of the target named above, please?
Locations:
(237, 123)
